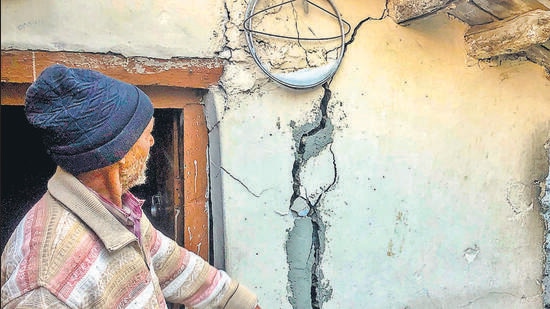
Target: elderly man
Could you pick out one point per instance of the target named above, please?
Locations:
(86, 243)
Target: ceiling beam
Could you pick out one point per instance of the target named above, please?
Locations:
(508, 36)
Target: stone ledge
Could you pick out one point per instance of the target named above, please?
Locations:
(508, 36)
(404, 10)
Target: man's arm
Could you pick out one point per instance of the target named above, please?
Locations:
(187, 279)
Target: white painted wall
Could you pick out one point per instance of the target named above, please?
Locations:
(434, 203)
(190, 28)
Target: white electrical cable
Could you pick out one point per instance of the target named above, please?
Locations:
(301, 78)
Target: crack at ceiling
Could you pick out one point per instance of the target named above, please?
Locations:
(354, 33)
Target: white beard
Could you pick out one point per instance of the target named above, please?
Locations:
(133, 174)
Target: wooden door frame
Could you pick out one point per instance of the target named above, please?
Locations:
(177, 83)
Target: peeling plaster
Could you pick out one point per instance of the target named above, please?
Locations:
(545, 210)
(520, 199)
(470, 254)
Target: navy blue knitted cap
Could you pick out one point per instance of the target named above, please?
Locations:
(88, 120)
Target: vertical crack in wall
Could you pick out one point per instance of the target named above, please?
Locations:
(297, 28)
(305, 245)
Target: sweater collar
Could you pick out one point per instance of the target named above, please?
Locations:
(130, 213)
(74, 195)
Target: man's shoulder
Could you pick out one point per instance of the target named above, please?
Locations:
(47, 249)
(45, 237)
(49, 218)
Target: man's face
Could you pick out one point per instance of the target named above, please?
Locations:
(134, 166)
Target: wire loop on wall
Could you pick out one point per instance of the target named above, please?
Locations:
(311, 75)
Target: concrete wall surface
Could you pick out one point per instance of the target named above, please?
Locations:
(415, 184)
(191, 28)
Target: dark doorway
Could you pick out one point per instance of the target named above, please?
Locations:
(26, 168)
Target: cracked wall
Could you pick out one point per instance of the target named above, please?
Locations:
(306, 240)
(416, 213)
(396, 200)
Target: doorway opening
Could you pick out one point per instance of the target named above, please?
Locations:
(26, 168)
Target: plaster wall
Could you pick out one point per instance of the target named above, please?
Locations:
(423, 178)
(426, 174)
(190, 28)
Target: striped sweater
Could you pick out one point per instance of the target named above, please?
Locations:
(70, 252)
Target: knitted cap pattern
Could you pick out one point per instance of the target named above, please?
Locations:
(88, 120)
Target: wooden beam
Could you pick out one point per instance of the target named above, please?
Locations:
(195, 180)
(507, 8)
(508, 36)
(162, 97)
(13, 94)
(539, 55)
(24, 66)
(468, 12)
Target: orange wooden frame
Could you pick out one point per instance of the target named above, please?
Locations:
(170, 83)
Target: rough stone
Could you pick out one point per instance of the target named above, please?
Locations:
(404, 10)
(508, 36)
